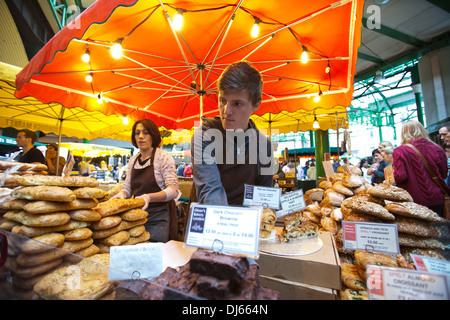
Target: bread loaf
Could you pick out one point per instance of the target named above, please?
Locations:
(390, 192)
(72, 181)
(42, 243)
(115, 206)
(89, 193)
(49, 193)
(41, 220)
(38, 207)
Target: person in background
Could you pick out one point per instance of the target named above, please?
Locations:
(364, 166)
(151, 176)
(444, 133)
(180, 170)
(377, 169)
(188, 171)
(26, 139)
(51, 160)
(336, 164)
(312, 172)
(84, 168)
(221, 181)
(410, 172)
(305, 168)
(300, 172)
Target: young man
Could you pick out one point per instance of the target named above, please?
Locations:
(26, 139)
(228, 151)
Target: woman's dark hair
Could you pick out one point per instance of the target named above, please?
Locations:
(152, 129)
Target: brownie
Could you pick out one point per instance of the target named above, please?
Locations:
(131, 289)
(220, 266)
(213, 288)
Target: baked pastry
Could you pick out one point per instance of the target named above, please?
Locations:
(390, 192)
(350, 294)
(305, 230)
(38, 220)
(340, 188)
(415, 227)
(42, 206)
(359, 205)
(51, 193)
(72, 181)
(414, 210)
(115, 206)
(350, 277)
(364, 258)
(292, 220)
(408, 240)
(315, 194)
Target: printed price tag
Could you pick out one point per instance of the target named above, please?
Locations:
(291, 202)
(372, 237)
(431, 265)
(140, 261)
(265, 197)
(224, 229)
(385, 283)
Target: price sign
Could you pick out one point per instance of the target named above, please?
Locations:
(224, 229)
(265, 197)
(385, 283)
(372, 237)
(291, 202)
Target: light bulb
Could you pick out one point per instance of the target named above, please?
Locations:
(255, 29)
(88, 78)
(316, 123)
(116, 50)
(317, 98)
(178, 21)
(304, 56)
(86, 57)
(124, 120)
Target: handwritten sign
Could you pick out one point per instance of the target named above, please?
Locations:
(225, 229)
(373, 237)
(291, 202)
(262, 196)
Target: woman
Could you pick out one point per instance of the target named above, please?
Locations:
(364, 166)
(51, 160)
(151, 175)
(411, 174)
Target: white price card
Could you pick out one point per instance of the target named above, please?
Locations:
(372, 237)
(292, 202)
(139, 261)
(384, 283)
(265, 197)
(226, 229)
(428, 264)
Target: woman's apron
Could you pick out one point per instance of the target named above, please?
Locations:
(143, 181)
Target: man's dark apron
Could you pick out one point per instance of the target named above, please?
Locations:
(162, 216)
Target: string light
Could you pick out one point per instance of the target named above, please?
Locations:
(88, 77)
(317, 98)
(86, 56)
(255, 29)
(178, 20)
(124, 120)
(116, 49)
(304, 57)
(316, 124)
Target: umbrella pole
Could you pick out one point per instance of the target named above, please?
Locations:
(59, 140)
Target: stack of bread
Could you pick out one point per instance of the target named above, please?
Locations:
(121, 223)
(20, 168)
(347, 196)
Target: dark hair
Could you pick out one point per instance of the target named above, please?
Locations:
(152, 129)
(53, 145)
(242, 75)
(375, 152)
(29, 134)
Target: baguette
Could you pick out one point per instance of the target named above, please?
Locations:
(42, 206)
(106, 223)
(72, 181)
(13, 204)
(49, 193)
(124, 225)
(134, 240)
(43, 243)
(116, 239)
(84, 215)
(89, 193)
(41, 220)
(115, 206)
(77, 234)
(31, 260)
(76, 245)
(5, 165)
(134, 214)
(31, 232)
(29, 272)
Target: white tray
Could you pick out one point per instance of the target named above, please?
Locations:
(299, 247)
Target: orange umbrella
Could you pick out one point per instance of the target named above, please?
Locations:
(170, 76)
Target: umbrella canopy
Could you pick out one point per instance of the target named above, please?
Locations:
(170, 76)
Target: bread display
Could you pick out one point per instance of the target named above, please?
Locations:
(268, 219)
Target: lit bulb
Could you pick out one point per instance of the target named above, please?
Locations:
(88, 78)
(255, 29)
(304, 56)
(316, 124)
(86, 57)
(124, 120)
(327, 70)
(116, 51)
(317, 98)
(178, 21)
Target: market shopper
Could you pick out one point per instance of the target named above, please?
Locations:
(444, 132)
(377, 169)
(51, 160)
(151, 175)
(228, 151)
(26, 139)
(410, 172)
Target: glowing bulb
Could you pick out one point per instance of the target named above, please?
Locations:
(86, 57)
(317, 98)
(88, 78)
(316, 124)
(304, 56)
(255, 29)
(116, 50)
(178, 21)
(124, 120)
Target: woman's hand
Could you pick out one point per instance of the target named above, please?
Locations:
(146, 199)
(121, 195)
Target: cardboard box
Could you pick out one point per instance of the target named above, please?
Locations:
(185, 188)
(290, 290)
(321, 268)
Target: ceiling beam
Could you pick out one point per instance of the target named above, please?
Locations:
(443, 4)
